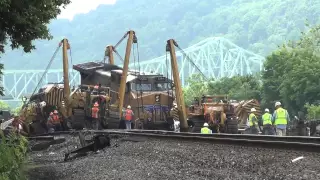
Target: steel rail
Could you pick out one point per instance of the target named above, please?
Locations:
(302, 139)
(297, 143)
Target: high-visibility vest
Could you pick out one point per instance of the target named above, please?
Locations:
(281, 116)
(251, 119)
(266, 118)
(128, 115)
(94, 113)
(205, 130)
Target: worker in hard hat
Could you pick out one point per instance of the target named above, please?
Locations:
(253, 122)
(267, 123)
(128, 117)
(205, 129)
(95, 116)
(54, 123)
(280, 119)
(174, 113)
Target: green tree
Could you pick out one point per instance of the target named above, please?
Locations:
(313, 111)
(22, 22)
(292, 73)
(4, 106)
(196, 88)
(16, 110)
(259, 26)
(238, 87)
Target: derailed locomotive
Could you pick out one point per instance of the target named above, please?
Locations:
(149, 95)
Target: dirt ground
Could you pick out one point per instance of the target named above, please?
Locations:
(151, 158)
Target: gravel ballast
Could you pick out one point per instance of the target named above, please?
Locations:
(139, 158)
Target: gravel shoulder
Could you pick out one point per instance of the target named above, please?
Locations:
(152, 159)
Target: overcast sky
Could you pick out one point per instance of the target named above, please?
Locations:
(82, 6)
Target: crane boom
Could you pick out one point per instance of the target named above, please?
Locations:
(177, 84)
(109, 54)
(65, 47)
(66, 85)
(125, 71)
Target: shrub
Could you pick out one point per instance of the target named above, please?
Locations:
(13, 151)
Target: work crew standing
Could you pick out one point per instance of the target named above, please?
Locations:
(280, 119)
(253, 122)
(128, 117)
(95, 116)
(267, 123)
(205, 129)
(175, 115)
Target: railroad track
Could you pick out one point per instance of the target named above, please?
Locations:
(301, 143)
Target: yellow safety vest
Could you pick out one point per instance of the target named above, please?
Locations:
(281, 116)
(266, 118)
(205, 130)
(251, 119)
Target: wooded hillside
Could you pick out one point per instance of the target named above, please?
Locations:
(255, 25)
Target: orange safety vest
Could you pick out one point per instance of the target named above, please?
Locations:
(128, 115)
(56, 118)
(95, 111)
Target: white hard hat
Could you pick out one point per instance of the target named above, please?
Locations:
(253, 109)
(205, 124)
(266, 110)
(129, 107)
(277, 104)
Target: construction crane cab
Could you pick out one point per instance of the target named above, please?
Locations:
(94, 94)
(215, 110)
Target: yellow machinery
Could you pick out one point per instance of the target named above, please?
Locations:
(177, 86)
(148, 94)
